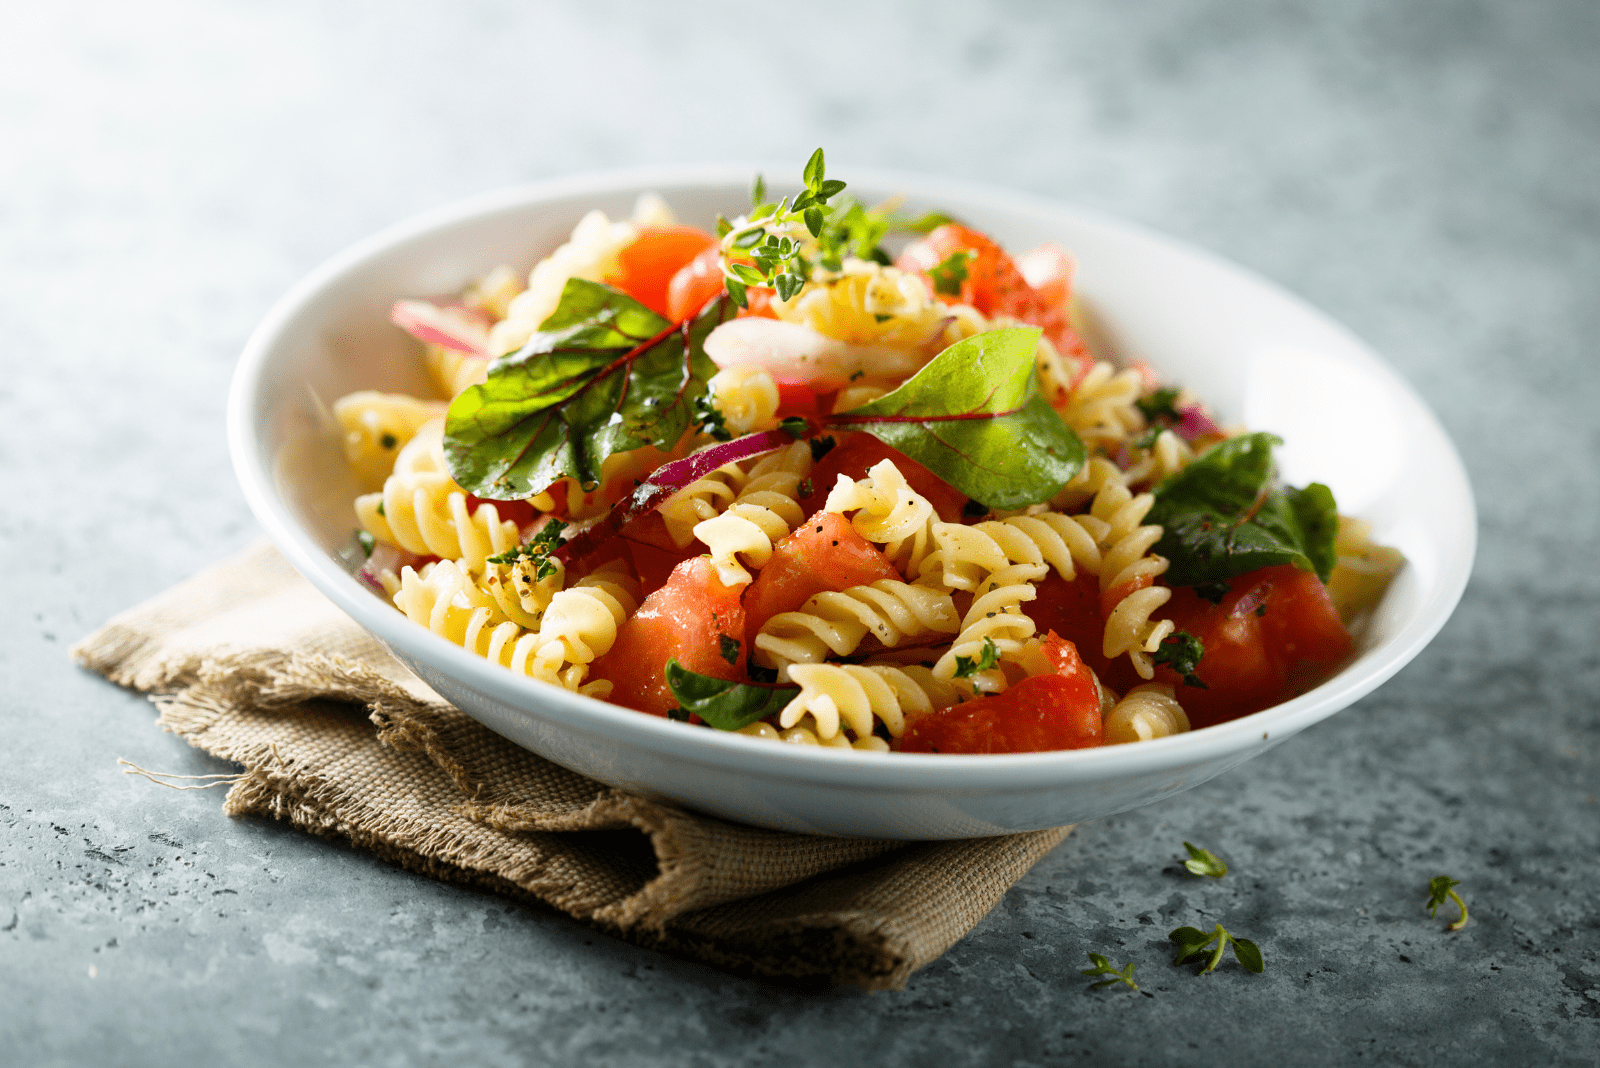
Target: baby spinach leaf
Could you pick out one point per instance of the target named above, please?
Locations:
(974, 417)
(1225, 515)
(603, 375)
(725, 705)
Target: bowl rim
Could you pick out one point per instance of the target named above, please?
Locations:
(895, 771)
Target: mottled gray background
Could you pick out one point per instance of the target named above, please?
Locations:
(1425, 171)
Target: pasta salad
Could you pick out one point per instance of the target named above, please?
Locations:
(836, 475)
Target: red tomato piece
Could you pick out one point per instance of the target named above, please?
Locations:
(1269, 621)
(823, 553)
(1037, 715)
(995, 286)
(687, 618)
(857, 452)
(1074, 610)
(695, 283)
(647, 268)
(1049, 270)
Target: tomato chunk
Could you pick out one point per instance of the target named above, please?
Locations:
(996, 286)
(823, 553)
(1269, 621)
(1075, 610)
(694, 618)
(646, 268)
(1038, 714)
(695, 283)
(856, 453)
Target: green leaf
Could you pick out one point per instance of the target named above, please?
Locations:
(829, 188)
(974, 417)
(603, 375)
(1204, 862)
(367, 542)
(1248, 954)
(1182, 652)
(758, 192)
(950, 272)
(1102, 966)
(814, 171)
(1159, 405)
(1223, 516)
(925, 223)
(725, 705)
(1441, 889)
(1191, 942)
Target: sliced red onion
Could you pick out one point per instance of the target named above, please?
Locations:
(1196, 423)
(1254, 598)
(666, 480)
(385, 557)
(453, 325)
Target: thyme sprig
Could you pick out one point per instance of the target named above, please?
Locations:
(773, 236)
(1102, 966)
(1193, 942)
(1442, 889)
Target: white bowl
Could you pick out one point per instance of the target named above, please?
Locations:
(1257, 354)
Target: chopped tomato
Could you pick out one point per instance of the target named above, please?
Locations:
(1268, 621)
(699, 280)
(653, 551)
(1049, 270)
(856, 453)
(1075, 610)
(1039, 714)
(995, 286)
(796, 399)
(695, 283)
(823, 553)
(647, 268)
(694, 618)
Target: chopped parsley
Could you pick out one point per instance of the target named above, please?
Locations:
(1182, 652)
(986, 660)
(948, 275)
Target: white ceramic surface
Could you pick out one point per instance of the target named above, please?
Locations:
(1259, 355)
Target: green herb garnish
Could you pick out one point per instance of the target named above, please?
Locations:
(366, 541)
(1192, 942)
(987, 659)
(725, 705)
(710, 420)
(1442, 889)
(1182, 652)
(1204, 862)
(729, 648)
(1103, 967)
(950, 272)
(536, 550)
(1225, 515)
(1159, 405)
(772, 237)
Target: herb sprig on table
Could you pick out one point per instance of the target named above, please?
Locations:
(1441, 889)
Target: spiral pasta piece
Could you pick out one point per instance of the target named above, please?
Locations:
(704, 498)
(838, 697)
(889, 513)
(805, 733)
(747, 397)
(1016, 549)
(765, 511)
(995, 616)
(581, 623)
(454, 372)
(1102, 409)
(1148, 711)
(1127, 563)
(1167, 455)
(866, 303)
(376, 426)
(426, 512)
(1363, 571)
(838, 622)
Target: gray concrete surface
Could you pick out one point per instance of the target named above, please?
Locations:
(1424, 171)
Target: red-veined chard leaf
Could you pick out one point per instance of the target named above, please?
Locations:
(725, 705)
(1225, 515)
(974, 417)
(603, 375)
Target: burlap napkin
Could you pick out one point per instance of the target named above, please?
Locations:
(251, 664)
